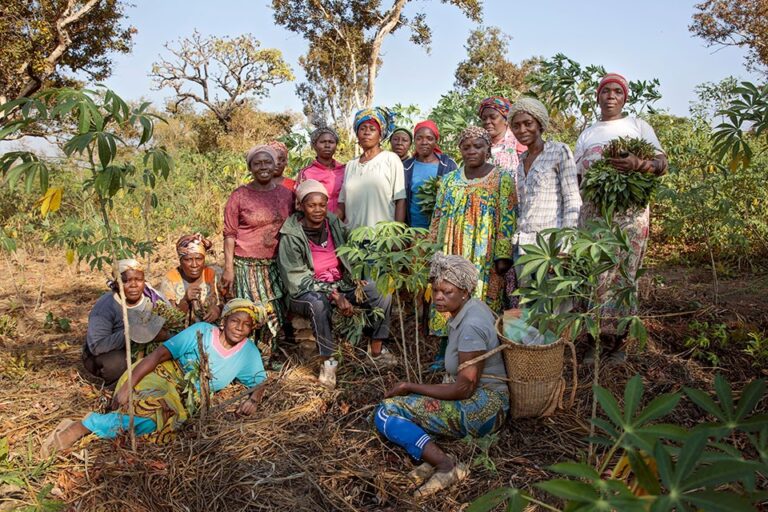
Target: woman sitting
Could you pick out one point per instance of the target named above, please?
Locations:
(318, 280)
(104, 349)
(193, 286)
(159, 401)
(474, 400)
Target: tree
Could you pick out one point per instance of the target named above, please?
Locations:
(345, 40)
(220, 73)
(742, 23)
(487, 48)
(42, 38)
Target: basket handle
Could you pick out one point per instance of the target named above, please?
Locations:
(481, 357)
(575, 382)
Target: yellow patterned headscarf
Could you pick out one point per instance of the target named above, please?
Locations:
(192, 244)
(257, 312)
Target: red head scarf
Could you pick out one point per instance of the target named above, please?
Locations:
(614, 78)
(431, 126)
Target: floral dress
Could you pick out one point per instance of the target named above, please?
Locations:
(475, 218)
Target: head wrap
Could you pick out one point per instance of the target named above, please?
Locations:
(279, 147)
(264, 148)
(475, 132)
(307, 187)
(192, 244)
(614, 78)
(498, 103)
(533, 107)
(458, 271)
(380, 115)
(128, 264)
(401, 129)
(257, 312)
(315, 135)
(431, 126)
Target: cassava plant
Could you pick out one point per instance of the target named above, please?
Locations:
(396, 257)
(716, 466)
(565, 267)
(427, 195)
(96, 125)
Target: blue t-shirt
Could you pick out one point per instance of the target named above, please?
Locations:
(241, 362)
(421, 173)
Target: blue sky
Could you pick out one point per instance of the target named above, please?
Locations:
(640, 40)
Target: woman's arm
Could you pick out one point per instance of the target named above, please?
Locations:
(400, 210)
(462, 389)
(228, 277)
(144, 368)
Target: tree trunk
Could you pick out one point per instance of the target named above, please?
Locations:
(388, 23)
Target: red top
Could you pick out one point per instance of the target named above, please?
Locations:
(289, 184)
(253, 218)
(331, 178)
(325, 260)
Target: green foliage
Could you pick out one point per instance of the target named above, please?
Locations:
(57, 323)
(706, 341)
(8, 325)
(427, 194)
(350, 328)
(456, 110)
(483, 445)
(615, 191)
(22, 471)
(559, 278)
(747, 112)
(757, 347)
(705, 468)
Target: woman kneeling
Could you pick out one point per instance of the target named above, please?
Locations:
(158, 403)
(475, 399)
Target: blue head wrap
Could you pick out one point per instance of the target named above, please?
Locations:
(382, 116)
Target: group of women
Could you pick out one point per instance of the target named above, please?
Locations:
(279, 257)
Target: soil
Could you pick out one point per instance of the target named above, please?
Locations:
(309, 449)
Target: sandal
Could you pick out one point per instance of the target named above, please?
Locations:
(53, 443)
(442, 480)
(420, 474)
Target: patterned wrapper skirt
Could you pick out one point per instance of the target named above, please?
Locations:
(477, 416)
(259, 280)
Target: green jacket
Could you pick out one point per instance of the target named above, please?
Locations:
(295, 258)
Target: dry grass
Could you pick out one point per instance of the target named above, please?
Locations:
(306, 449)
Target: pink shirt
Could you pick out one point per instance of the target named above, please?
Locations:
(253, 218)
(325, 261)
(331, 178)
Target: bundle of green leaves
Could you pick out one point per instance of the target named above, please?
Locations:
(613, 190)
(426, 194)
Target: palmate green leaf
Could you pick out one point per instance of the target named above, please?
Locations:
(516, 500)
(657, 408)
(721, 472)
(576, 469)
(645, 476)
(718, 501)
(633, 393)
(687, 459)
(608, 404)
(570, 490)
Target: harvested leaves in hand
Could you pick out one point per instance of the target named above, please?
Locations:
(426, 194)
(612, 190)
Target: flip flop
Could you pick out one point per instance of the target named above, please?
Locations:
(52, 443)
(442, 480)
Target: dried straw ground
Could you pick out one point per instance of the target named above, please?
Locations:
(307, 449)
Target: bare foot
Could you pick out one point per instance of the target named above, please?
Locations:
(66, 434)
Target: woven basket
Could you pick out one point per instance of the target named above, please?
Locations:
(535, 376)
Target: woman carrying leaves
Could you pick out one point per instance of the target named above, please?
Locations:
(252, 219)
(160, 401)
(473, 400)
(428, 162)
(194, 287)
(475, 218)
(612, 93)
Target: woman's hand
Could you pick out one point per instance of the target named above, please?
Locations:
(502, 266)
(193, 292)
(228, 280)
(399, 389)
(213, 314)
(345, 307)
(120, 398)
(248, 407)
(629, 163)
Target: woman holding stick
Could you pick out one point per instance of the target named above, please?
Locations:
(160, 402)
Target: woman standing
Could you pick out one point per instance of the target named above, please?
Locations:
(428, 162)
(374, 186)
(505, 149)
(252, 219)
(280, 165)
(474, 401)
(475, 218)
(193, 286)
(325, 169)
(400, 141)
(612, 93)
